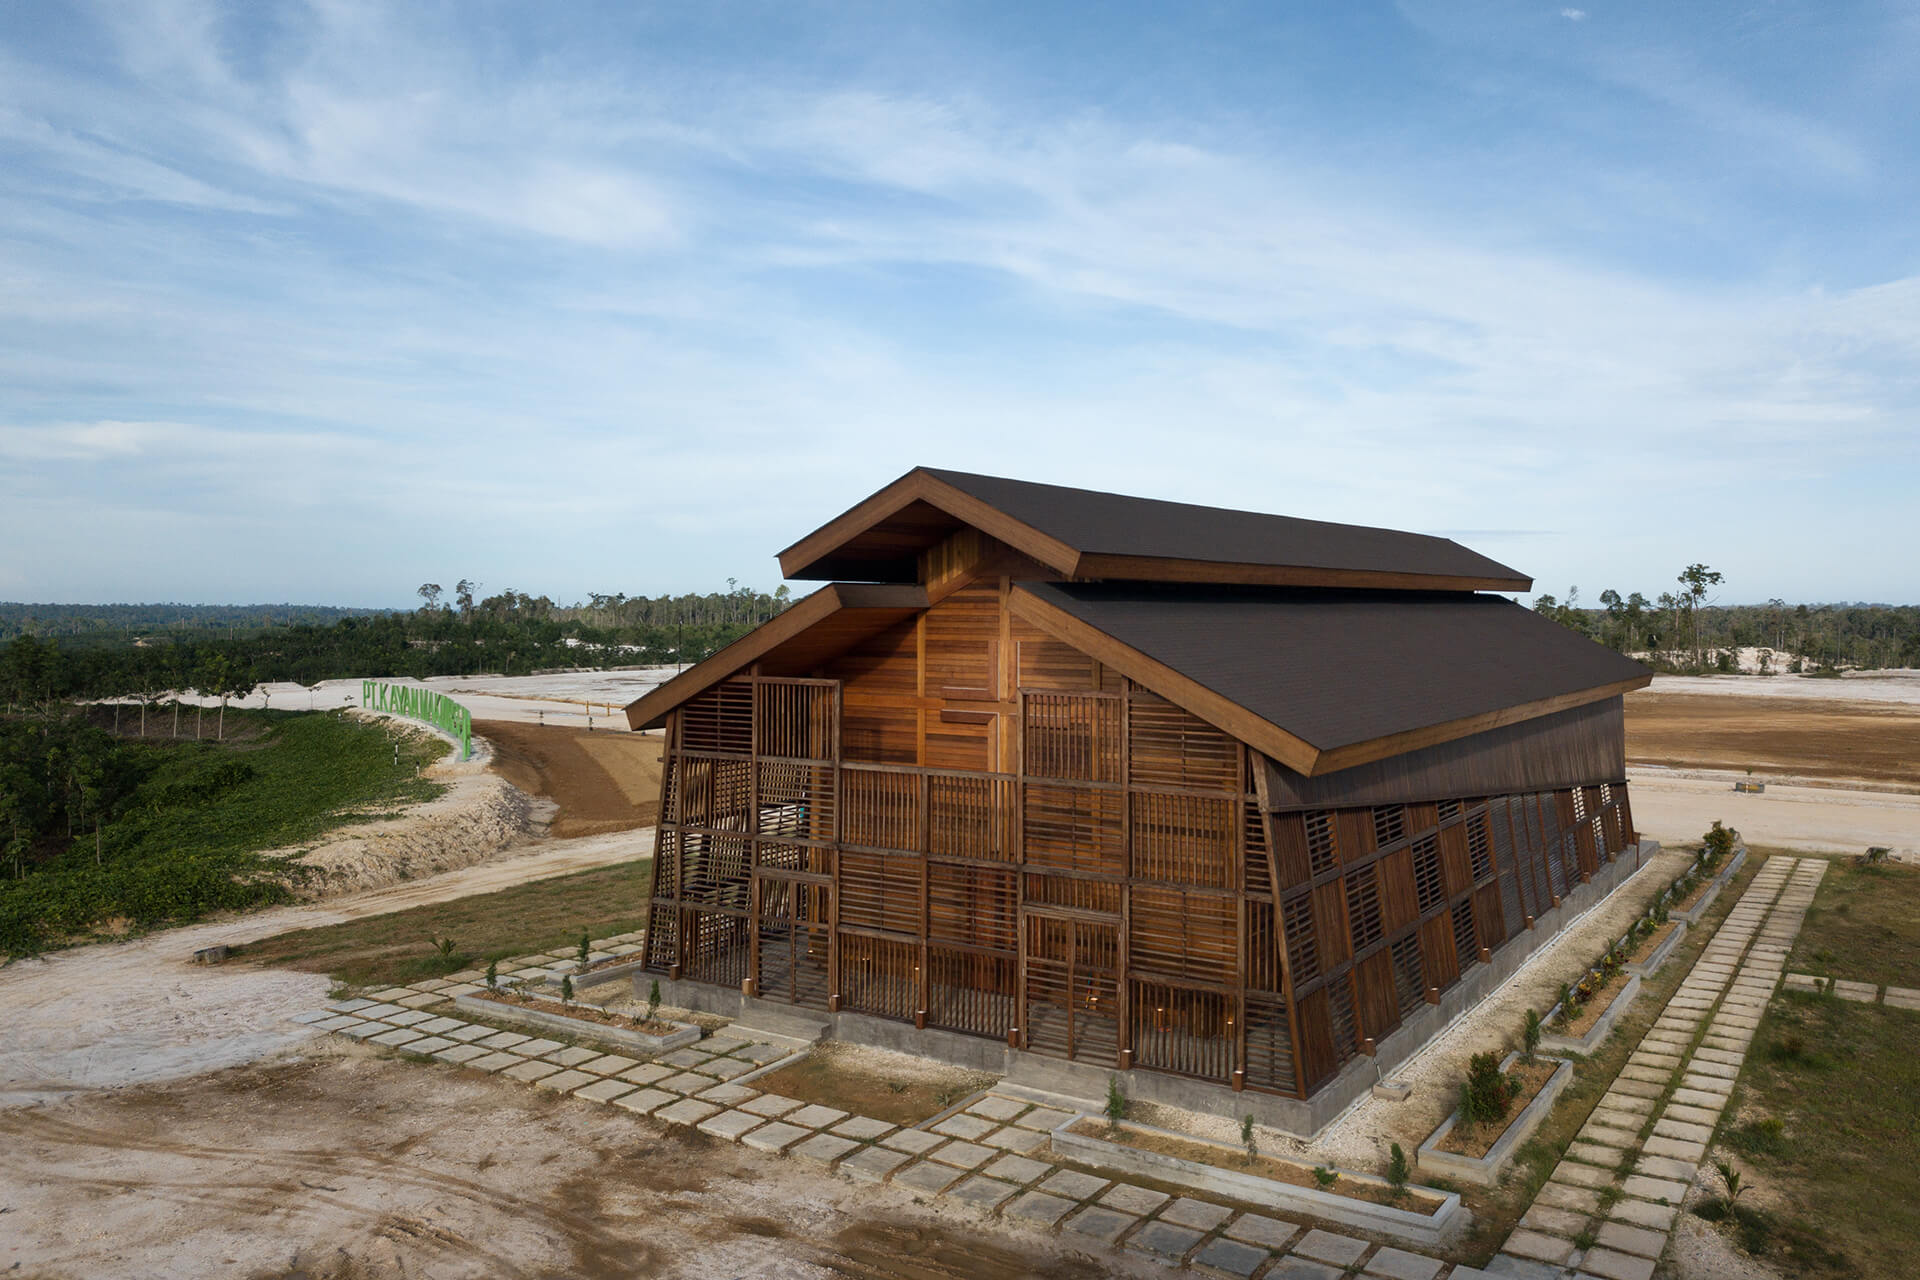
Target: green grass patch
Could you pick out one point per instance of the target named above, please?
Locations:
(1863, 925)
(188, 834)
(1837, 1088)
(399, 947)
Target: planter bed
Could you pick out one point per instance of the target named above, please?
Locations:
(1423, 1216)
(1693, 914)
(1648, 965)
(627, 1036)
(1590, 1039)
(1485, 1170)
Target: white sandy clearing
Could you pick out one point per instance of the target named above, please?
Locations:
(1895, 685)
(139, 1011)
(562, 697)
(1673, 807)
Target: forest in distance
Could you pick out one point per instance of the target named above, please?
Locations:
(58, 658)
(51, 653)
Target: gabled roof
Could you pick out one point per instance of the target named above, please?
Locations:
(1325, 680)
(1083, 534)
(809, 632)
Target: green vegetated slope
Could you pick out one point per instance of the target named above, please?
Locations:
(97, 829)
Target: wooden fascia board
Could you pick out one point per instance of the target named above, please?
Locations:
(918, 486)
(1182, 690)
(1096, 565)
(651, 707)
(1357, 753)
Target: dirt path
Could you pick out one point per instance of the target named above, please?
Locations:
(137, 1012)
(342, 1164)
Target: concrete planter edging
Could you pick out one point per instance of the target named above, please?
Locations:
(1485, 1171)
(1695, 913)
(607, 973)
(627, 1037)
(1402, 1224)
(1551, 1040)
(1651, 965)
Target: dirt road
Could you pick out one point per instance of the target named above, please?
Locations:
(337, 1163)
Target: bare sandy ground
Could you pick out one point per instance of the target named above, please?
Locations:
(1673, 807)
(333, 1162)
(562, 698)
(1898, 685)
(139, 1012)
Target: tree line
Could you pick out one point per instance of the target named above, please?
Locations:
(508, 633)
(1684, 630)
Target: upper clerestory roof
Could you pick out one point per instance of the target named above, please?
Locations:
(1086, 535)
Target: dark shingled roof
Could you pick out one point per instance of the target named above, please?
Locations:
(1335, 668)
(1114, 524)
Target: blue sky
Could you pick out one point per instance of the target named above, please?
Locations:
(319, 302)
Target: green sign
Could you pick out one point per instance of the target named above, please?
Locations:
(424, 705)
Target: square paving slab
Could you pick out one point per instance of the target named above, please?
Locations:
(1106, 1225)
(776, 1136)
(1325, 1246)
(686, 1111)
(1202, 1215)
(873, 1164)
(730, 1125)
(1037, 1208)
(825, 1148)
(925, 1177)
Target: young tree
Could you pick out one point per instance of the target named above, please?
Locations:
(1697, 578)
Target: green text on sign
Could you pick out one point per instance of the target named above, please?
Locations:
(424, 705)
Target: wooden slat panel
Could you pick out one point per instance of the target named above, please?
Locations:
(1072, 736)
(1183, 1031)
(1377, 1007)
(1183, 839)
(1075, 828)
(1171, 747)
(1182, 935)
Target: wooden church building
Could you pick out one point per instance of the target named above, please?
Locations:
(1066, 784)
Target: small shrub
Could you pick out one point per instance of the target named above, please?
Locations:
(1324, 1178)
(566, 989)
(1397, 1170)
(493, 975)
(1584, 1240)
(1565, 1012)
(653, 999)
(444, 946)
(1732, 1177)
(1116, 1101)
(586, 948)
(1246, 1137)
(1485, 1094)
(1529, 1037)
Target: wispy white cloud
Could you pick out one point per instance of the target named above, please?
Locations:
(568, 301)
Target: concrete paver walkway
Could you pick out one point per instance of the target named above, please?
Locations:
(988, 1153)
(1608, 1209)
